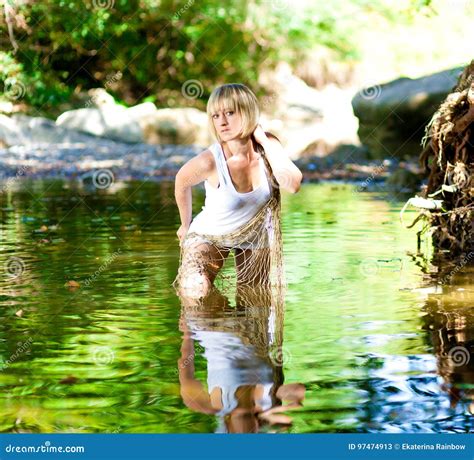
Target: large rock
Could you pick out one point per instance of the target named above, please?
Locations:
(182, 126)
(112, 121)
(165, 126)
(392, 116)
(307, 121)
(143, 123)
(25, 130)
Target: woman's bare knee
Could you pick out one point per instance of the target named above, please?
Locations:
(195, 285)
(200, 266)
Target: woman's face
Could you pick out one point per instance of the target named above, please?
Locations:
(227, 123)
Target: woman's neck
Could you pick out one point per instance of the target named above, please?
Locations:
(239, 148)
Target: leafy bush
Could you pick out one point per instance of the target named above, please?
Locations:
(169, 52)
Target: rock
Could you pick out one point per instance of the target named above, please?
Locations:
(299, 115)
(81, 99)
(404, 180)
(110, 120)
(341, 156)
(143, 123)
(9, 133)
(182, 126)
(392, 116)
(6, 107)
(307, 120)
(99, 97)
(25, 130)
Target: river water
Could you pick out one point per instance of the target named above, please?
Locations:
(371, 335)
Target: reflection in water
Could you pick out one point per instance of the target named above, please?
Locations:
(360, 333)
(243, 348)
(430, 391)
(451, 322)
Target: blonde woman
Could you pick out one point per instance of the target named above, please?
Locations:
(242, 173)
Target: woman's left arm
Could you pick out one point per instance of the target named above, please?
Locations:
(286, 173)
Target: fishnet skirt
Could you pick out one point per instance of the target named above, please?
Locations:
(257, 249)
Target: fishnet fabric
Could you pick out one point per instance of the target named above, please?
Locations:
(260, 261)
(256, 318)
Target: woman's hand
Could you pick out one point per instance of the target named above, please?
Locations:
(259, 135)
(182, 232)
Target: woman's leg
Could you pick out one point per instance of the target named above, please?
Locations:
(200, 264)
(252, 266)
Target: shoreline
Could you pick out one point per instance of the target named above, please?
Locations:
(71, 161)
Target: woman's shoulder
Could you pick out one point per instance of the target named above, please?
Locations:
(206, 158)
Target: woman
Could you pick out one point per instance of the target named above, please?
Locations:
(243, 173)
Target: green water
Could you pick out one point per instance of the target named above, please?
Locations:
(362, 341)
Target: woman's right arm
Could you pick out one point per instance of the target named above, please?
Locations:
(193, 172)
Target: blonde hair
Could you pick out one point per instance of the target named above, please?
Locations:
(240, 99)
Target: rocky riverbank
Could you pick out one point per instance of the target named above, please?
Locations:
(317, 128)
(76, 160)
(69, 160)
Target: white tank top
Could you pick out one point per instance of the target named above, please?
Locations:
(225, 209)
(232, 364)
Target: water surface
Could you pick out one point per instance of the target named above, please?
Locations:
(371, 335)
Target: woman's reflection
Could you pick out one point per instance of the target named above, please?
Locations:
(243, 349)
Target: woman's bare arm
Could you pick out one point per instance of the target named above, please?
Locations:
(191, 173)
(192, 390)
(286, 173)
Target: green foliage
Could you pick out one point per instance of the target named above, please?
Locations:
(157, 46)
